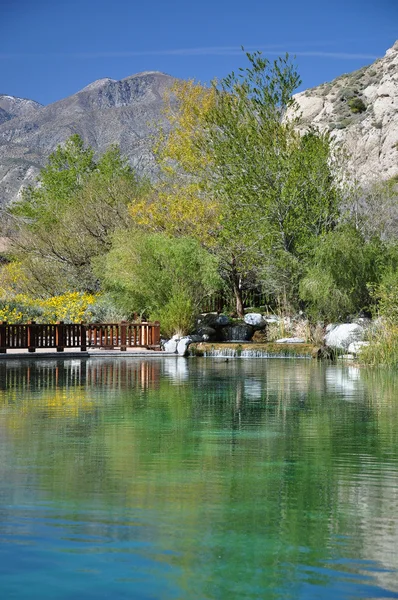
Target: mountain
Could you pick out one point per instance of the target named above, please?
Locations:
(11, 107)
(360, 109)
(105, 112)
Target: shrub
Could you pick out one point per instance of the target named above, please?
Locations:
(71, 307)
(386, 295)
(356, 105)
(165, 278)
(177, 316)
(383, 346)
(337, 278)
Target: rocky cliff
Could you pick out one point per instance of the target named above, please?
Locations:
(360, 109)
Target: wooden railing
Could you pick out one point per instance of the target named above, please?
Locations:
(32, 336)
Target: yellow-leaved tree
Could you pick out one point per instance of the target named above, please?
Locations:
(180, 202)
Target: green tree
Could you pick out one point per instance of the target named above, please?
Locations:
(162, 277)
(344, 268)
(273, 189)
(62, 224)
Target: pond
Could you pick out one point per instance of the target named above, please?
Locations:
(177, 478)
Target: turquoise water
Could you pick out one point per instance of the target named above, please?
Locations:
(197, 478)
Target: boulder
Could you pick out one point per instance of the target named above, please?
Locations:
(223, 320)
(183, 344)
(341, 336)
(256, 320)
(206, 333)
(272, 319)
(213, 320)
(195, 338)
(170, 346)
(292, 340)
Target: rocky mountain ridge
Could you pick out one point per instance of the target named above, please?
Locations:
(106, 112)
(360, 109)
(11, 107)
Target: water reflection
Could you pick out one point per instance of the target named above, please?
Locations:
(169, 478)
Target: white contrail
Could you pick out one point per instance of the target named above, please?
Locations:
(202, 51)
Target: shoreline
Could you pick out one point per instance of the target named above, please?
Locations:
(198, 349)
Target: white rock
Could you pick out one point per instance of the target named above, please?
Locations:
(255, 319)
(272, 319)
(182, 346)
(292, 340)
(170, 346)
(356, 347)
(341, 336)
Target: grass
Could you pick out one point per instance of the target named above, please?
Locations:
(383, 347)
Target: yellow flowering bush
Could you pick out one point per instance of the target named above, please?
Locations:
(71, 307)
(12, 276)
(10, 314)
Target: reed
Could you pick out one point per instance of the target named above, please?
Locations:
(383, 347)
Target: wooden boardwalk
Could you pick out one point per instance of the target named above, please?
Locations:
(60, 337)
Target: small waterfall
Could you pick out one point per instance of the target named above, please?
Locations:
(240, 332)
(245, 353)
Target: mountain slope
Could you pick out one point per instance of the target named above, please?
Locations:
(361, 111)
(105, 112)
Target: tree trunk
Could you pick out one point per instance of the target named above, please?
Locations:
(238, 299)
(236, 283)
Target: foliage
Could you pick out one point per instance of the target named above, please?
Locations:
(71, 307)
(383, 346)
(337, 281)
(177, 315)
(386, 294)
(159, 276)
(356, 105)
(66, 221)
(179, 204)
(235, 143)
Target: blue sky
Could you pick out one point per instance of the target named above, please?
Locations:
(50, 49)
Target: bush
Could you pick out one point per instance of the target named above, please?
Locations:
(356, 105)
(338, 276)
(165, 278)
(386, 296)
(383, 347)
(71, 307)
(177, 316)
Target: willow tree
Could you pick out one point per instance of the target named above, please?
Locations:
(238, 176)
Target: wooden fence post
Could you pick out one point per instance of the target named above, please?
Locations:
(60, 336)
(123, 336)
(3, 347)
(83, 337)
(31, 338)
